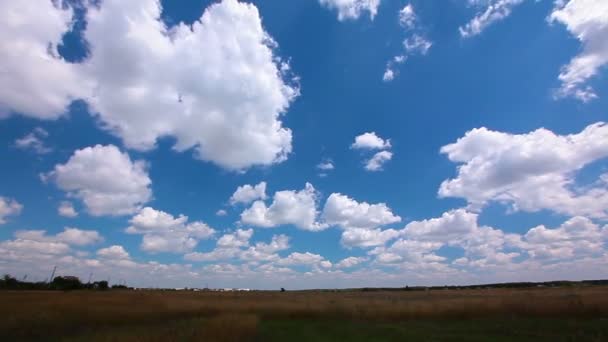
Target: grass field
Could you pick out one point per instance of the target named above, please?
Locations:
(551, 314)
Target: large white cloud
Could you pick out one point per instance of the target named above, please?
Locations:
(360, 237)
(71, 236)
(162, 232)
(495, 10)
(587, 20)
(298, 208)
(576, 237)
(360, 221)
(347, 213)
(9, 207)
(34, 80)
(532, 171)
(248, 193)
(216, 86)
(105, 179)
(352, 9)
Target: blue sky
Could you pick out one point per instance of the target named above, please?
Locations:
(305, 143)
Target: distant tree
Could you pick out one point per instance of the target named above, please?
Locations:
(282, 289)
(102, 285)
(66, 283)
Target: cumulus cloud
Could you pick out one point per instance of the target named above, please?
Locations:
(221, 213)
(247, 193)
(78, 237)
(359, 237)
(66, 209)
(575, 238)
(240, 238)
(360, 221)
(531, 171)
(34, 141)
(347, 213)
(145, 81)
(113, 252)
(376, 163)
(451, 226)
(351, 262)
(297, 258)
(587, 20)
(162, 232)
(34, 79)
(105, 179)
(298, 208)
(495, 10)
(9, 207)
(352, 9)
(370, 141)
(216, 85)
(237, 246)
(70, 236)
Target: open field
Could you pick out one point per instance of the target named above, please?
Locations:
(552, 314)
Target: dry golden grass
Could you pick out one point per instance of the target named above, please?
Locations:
(235, 316)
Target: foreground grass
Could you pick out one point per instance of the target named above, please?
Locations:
(566, 314)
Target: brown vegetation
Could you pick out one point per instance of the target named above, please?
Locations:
(235, 315)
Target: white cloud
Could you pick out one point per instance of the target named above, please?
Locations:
(240, 238)
(407, 17)
(587, 20)
(34, 141)
(247, 193)
(78, 237)
(326, 165)
(113, 252)
(9, 207)
(34, 80)
(359, 221)
(417, 44)
(105, 179)
(575, 238)
(297, 258)
(452, 225)
(69, 236)
(532, 171)
(145, 81)
(351, 262)
(298, 208)
(352, 9)
(152, 81)
(236, 246)
(162, 232)
(66, 209)
(221, 212)
(360, 237)
(370, 141)
(347, 213)
(494, 11)
(376, 163)
(389, 74)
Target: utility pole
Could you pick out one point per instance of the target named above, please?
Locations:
(90, 276)
(53, 274)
